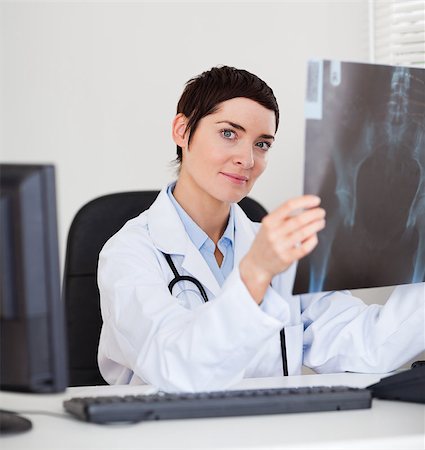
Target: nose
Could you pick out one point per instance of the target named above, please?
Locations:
(244, 157)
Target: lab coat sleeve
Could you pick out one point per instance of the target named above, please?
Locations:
(279, 302)
(147, 333)
(344, 334)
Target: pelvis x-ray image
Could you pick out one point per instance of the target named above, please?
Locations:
(365, 157)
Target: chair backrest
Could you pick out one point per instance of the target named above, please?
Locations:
(92, 226)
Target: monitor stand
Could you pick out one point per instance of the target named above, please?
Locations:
(12, 423)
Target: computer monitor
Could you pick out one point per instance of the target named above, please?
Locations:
(33, 353)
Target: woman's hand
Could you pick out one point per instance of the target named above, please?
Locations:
(286, 235)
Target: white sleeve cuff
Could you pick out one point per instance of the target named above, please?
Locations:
(273, 309)
(276, 306)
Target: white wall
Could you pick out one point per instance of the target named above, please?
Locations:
(92, 87)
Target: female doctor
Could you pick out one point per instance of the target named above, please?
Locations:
(194, 296)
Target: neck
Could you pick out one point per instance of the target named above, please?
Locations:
(210, 214)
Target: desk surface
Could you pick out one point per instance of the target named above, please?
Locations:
(386, 425)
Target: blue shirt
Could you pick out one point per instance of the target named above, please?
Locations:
(205, 244)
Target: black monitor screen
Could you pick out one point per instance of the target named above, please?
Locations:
(32, 334)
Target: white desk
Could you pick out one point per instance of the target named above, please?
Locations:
(387, 425)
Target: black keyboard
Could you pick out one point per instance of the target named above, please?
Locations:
(159, 406)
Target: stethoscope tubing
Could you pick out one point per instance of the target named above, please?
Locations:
(177, 278)
(193, 280)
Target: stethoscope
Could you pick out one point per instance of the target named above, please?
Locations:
(177, 278)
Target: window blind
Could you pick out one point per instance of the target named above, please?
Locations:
(397, 30)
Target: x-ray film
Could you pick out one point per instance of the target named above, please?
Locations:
(365, 158)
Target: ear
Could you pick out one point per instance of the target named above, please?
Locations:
(180, 137)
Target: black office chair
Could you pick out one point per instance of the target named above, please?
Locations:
(92, 226)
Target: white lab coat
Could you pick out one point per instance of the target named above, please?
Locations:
(179, 343)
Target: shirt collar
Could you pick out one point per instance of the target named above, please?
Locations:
(195, 232)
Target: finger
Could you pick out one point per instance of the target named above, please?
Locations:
(303, 219)
(299, 244)
(295, 205)
(305, 247)
(305, 233)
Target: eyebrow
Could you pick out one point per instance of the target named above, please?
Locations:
(240, 127)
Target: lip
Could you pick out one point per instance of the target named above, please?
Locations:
(235, 178)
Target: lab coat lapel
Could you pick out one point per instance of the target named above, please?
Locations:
(195, 264)
(244, 234)
(169, 236)
(165, 227)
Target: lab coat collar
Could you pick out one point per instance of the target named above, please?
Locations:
(165, 227)
(244, 234)
(169, 236)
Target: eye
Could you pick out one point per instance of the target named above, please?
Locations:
(264, 145)
(228, 134)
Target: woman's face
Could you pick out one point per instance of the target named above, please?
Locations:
(228, 151)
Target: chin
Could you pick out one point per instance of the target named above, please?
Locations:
(223, 192)
(232, 197)
(238, 199)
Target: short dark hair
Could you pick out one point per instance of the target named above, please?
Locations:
(204, 93)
